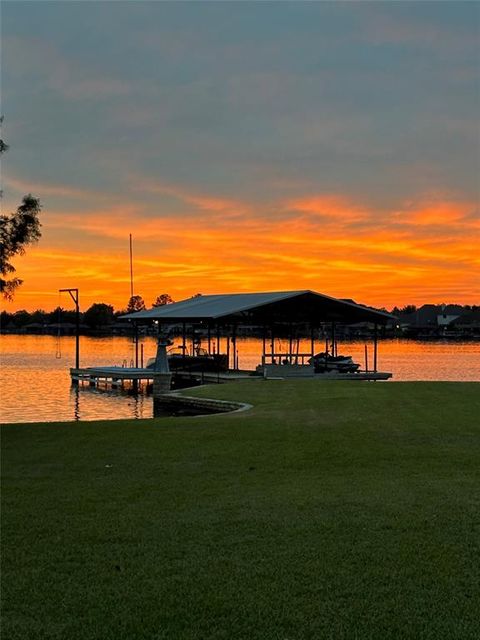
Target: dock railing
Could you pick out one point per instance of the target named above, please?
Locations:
(286, 358)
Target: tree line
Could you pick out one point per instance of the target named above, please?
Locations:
(101, 315)
(97, 316)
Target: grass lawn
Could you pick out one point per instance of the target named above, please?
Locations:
(330, 510)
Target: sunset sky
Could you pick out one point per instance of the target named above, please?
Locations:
(331, 146)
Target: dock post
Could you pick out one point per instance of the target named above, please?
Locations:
(136, 343)
(77, 334)
(135, 384)
(75, 296)
(161, 383)
(234, 346)
(192, 337)
(228, 349)
(375, 347)
(290, 344)
(264, 340)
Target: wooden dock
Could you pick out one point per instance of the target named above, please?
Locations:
(289, 371)
(120, 377)
(110, 376)
(333, 375)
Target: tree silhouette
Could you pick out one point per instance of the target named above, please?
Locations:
(17, 230)
(3, 145)
(135, 303)
(163, 298)
(98, 315)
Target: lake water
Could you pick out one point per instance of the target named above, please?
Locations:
(35, 380)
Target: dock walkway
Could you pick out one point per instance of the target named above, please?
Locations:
(116, 376)
(119, 377)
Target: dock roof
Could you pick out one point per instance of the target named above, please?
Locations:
(250, 308)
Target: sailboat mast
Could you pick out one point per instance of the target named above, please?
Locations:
(131, 267)
(135, 337)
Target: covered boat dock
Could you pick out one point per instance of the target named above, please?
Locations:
(215, 319)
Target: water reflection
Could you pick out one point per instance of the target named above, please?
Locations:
(137, 404)
(90, 403)
(75, 400)
(35, 385)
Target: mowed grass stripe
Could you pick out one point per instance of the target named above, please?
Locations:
(330, 510)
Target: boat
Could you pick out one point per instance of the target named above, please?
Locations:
(200, 360)
(324, 362)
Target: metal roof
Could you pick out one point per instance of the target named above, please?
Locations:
(287, 306)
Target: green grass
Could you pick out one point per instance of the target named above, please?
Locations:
(330, 510)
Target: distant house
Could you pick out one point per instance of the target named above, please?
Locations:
(431, 319)
(423, 318)
(449, 313)
(468, 323)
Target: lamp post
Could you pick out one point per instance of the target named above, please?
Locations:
(74, 296)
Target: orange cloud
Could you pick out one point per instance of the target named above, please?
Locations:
(330, 205)
(328, 243)
(201, 201)
(436, 212)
